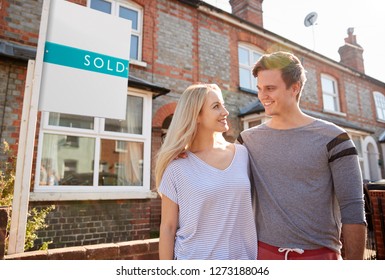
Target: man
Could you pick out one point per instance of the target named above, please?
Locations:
(306, 173)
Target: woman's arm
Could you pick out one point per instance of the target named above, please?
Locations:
(168, 226)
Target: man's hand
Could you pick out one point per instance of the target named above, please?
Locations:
(354, 239)
(181, 155)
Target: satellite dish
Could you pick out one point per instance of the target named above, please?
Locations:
(310, 19)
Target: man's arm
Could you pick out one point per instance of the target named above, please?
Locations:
(354, 241)
(348, 186)
(239, 140)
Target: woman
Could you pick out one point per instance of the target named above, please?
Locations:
(206, 199)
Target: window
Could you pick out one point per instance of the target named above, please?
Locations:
(379, 100)
(128, 11)
(247, 58)
(252, 120)
(255, 123)
(358, 140)
(368, 154)
(86, 154)
(330, 94)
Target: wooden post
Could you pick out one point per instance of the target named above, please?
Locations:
(23, 167)
(27, 141)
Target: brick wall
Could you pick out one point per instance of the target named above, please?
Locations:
(146, 249)
(74, 223)
(356, 95)
(131, 250)
(214, 52)
(12, 82)
(377, 199)
(21, 27)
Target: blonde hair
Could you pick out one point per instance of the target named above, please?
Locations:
(183, 127)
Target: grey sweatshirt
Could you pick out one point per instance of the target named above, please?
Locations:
(308, 181)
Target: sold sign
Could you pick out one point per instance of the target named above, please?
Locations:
(86, 60)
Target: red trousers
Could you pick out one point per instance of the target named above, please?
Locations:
(268, 252)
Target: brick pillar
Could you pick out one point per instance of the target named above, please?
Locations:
(155, 202)
(159, 122)
(249, 10)
(351, 53)
(377, 198)
(3, 229)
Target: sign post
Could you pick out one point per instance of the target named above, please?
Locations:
(81, 68)
(26, 144)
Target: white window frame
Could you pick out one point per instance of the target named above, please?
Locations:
(44, 193)
(247, 120)
(248, 67)
(360, 149)
(371, 158)
(334, 95)
(379, 100)
(115, 4)
(118, 148)
(364, 139)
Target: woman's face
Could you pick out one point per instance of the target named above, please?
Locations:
(213, 116)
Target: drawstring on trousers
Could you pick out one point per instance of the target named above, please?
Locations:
(288, 250)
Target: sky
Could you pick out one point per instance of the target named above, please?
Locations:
(326, 36)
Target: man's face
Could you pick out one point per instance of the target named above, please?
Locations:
(273, 94)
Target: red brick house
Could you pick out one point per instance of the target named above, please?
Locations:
(98, 172)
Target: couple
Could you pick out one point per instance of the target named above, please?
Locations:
(304, 173)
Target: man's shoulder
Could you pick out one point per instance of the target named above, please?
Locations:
(252, 129)
(247, 133)
(329, 126)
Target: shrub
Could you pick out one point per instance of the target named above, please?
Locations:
(36, 218)
(7, 175)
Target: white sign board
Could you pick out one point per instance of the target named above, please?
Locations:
(85, 65)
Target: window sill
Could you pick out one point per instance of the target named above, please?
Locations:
(334, 113)
(138, 63)
(248, 90)
(76, 196)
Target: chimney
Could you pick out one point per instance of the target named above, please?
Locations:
(351, 52)
(249, 10)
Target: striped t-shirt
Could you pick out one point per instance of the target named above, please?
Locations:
(215, 213)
